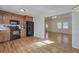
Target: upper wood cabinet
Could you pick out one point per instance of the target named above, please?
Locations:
(1, 18)
(14, 17)
(6, 18)
(28, 18)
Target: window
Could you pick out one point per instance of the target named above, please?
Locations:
(65, 25)
(59, 25)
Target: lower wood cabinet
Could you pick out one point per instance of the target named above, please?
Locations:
(4, 35)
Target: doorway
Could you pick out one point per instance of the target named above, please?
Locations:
(59, 29)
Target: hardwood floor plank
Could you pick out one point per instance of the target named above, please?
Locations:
(56, 43)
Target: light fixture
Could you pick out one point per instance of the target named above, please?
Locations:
(22, 10)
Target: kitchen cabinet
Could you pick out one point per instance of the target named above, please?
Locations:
(5, 18)
(28, 18)
(4, 35)
(1, 18)
(1, 36)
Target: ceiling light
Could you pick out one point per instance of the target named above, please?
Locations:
(22, 10)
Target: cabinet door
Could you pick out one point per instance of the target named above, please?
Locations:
(14, 17)
(1, 36)
(4, 36)
(30, 19)
(22, 27)
(6, 18)
(1, 18)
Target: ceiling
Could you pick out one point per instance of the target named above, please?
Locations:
(35, 10)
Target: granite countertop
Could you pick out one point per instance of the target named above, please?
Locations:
(2, 28)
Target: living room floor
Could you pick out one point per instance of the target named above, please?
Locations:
(56, 43)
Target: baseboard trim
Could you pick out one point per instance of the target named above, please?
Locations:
(61, 33)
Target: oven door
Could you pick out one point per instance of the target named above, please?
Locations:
(16, 32)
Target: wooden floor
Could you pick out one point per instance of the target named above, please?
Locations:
(56, 43)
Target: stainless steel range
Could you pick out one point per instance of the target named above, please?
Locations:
(14, 30)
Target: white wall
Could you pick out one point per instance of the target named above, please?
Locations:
(39, 21)
(52, 25)
(39, 26)
(75, 31)
(59, 12)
